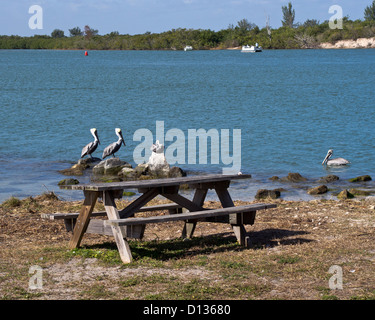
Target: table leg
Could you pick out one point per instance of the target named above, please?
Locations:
(189, 227)
(112, 213)
(234, 219)
(83, 218)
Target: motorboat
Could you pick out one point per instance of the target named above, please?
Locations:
(255, 48)
(188, 48)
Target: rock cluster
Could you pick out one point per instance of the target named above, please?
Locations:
(114, 169)
(320, 189)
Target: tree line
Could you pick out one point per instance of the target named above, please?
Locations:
(290, 35)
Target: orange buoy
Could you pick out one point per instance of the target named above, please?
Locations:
(86, 53)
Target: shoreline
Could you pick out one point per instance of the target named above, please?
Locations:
(281, 188)
(360, 43)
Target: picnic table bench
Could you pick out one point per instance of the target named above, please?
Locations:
(122, 224)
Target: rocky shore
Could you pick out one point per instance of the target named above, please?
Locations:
(356, 187)
(330, 186)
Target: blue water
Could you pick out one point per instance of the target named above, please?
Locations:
(291, 106)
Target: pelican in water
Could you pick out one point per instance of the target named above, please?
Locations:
(115, 146)
(334, 162)
(91, 147)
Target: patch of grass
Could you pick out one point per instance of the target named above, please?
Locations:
(366, 296)
(12, 202)
(330, 297)
(107, 255)
(233, 265)
(19, 293)
(288, 260)
(138, 280)
(98, 291)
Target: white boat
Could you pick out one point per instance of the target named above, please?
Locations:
(255, 48)
(188, 48)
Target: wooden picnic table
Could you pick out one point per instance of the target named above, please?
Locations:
(123, 224)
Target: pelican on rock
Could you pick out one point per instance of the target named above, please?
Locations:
(115, 146)
(91, 147)
(334, 162)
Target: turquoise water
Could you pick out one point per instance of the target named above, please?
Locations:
(291, 107)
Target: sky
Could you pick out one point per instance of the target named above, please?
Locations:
(156, 16)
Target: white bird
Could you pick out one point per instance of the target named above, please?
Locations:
(91, 147)
(115, 146)
(334, 162)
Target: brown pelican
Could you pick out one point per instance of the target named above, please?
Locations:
(91, 147)
(334, 162)
(115, 146)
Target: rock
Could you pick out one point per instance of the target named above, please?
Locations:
(294, 177)
(358, 192)
(142, 169)
(110, 166)
(329, 178)
(361, 179)
(274, 178)
(318, 190)
(78, 168)
(75, 170)
(158, 173)
(128, 174)
(345, 194)
(176, 172)
(264, 194)
(90, 162)
(66, 182)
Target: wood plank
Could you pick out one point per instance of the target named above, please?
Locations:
(190, 215)
(224, 196)
(122, 244)
(138, 203)
(235, 219)
(97, 226)
(155, 183)
(63, 216)
(83, 218)
(182, 201)
(198, 199)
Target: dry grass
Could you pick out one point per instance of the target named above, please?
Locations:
(292, 250)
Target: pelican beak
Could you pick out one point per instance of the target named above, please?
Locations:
(327, 157)
(123, 141)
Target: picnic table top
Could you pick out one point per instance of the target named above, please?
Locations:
(154, 183)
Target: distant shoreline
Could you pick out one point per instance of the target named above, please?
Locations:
(360, 43)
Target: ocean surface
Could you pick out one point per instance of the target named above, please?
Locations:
(290, 105)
